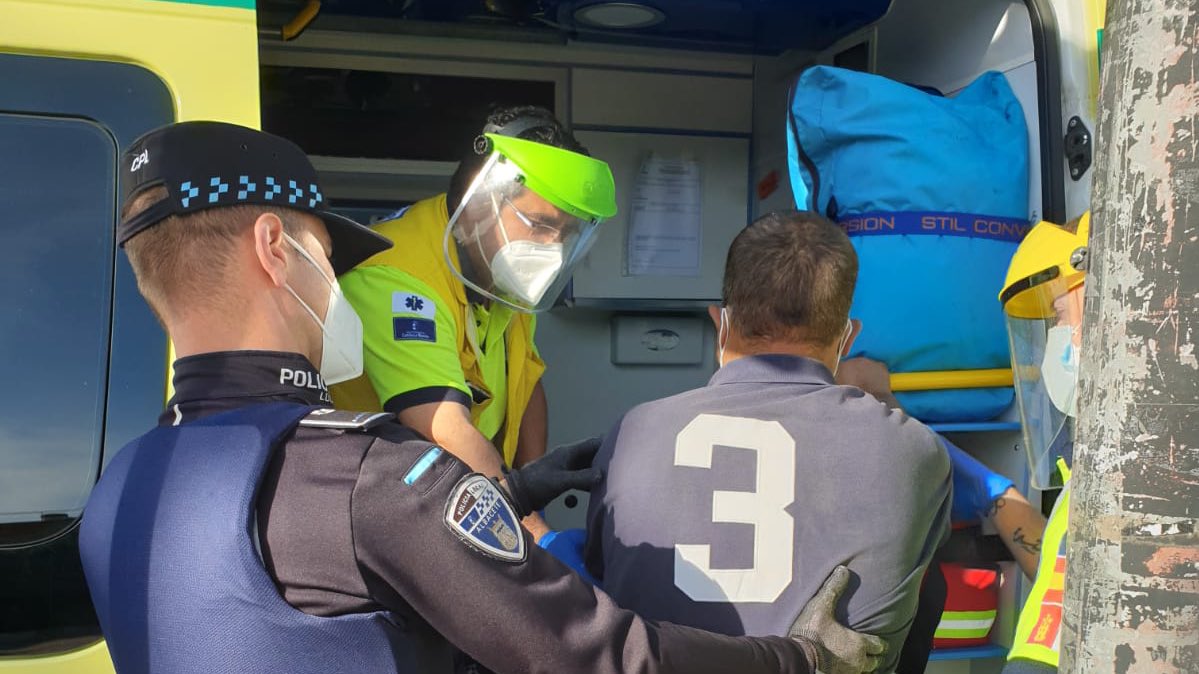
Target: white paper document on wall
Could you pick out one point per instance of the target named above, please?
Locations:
(664, 234)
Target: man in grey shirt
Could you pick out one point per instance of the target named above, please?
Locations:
(725, 507)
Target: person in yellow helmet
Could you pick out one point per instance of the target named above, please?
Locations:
(1043, 303)
(449, 313)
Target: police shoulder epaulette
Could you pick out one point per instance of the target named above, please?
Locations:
(345, 420)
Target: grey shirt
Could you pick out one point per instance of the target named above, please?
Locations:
(726, 507)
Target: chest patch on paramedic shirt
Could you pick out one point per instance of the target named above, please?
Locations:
(480, 515)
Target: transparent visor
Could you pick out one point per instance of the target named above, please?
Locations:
(1045, 367)
(512, 244)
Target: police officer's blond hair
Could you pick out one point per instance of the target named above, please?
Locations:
(184, 258)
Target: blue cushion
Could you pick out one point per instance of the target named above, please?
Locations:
(934, 194)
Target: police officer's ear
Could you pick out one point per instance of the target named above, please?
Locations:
(714, 314)
(270, 247)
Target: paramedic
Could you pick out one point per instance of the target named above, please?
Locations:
(448, 312)
(1043, 302)
(379, 549)
(978, 492)
(822, 474)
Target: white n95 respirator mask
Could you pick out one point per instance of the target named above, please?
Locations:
(526, 269)
(341, 345)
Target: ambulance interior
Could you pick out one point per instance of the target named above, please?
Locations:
(383, 95)
(360, 89)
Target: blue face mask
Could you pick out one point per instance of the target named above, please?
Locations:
(1059, 369)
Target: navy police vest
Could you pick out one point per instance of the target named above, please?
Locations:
(178, 585)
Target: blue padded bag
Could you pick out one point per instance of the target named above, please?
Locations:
(933, 192)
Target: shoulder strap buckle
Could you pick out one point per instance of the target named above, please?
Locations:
(345, 420)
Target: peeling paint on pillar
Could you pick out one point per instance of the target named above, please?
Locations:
(1132, 584)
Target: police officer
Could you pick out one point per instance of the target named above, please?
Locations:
(258, 529)
(1042, 301)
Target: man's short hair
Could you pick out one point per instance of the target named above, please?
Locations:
(184, 258)
(790, 276)
(547, 130)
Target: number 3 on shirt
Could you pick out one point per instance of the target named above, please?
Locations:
(774, 529)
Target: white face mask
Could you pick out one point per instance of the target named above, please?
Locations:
(1059, 369)
(526, 269)
(341, 347)
(722, 335)
(841, 345)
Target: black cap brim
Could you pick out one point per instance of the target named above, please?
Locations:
(352, 243)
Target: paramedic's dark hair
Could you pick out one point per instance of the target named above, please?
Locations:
(546, 130)
(790, 276)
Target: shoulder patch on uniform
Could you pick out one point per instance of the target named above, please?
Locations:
(412, 304)
(345, 420)
(479, 514)
(406, 328)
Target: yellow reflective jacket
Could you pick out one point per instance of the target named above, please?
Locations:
(419, 234)
(1038, 632)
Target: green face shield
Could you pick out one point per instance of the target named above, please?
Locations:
(527, 220)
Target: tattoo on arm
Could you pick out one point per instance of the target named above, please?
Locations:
(1031, 547)
(995, 506)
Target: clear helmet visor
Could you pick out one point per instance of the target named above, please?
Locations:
(513, 244)
(1045, 353)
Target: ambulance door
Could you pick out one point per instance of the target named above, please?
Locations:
(83, 359)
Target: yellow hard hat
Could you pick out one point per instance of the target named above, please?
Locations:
(1051, 261)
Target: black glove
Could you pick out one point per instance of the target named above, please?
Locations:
(569, 467)
(839, 650)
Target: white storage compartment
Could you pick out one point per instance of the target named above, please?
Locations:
(616, 98)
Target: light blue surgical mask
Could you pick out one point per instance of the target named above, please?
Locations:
(1059, 369)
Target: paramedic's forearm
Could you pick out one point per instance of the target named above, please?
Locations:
(531, 443)
(1021, 526)
(449, 425)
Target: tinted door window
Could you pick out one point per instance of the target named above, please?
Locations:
(82, 359)
(380, 115)
(56, 275)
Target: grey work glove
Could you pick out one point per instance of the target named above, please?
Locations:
(839, 650)
(535, 484)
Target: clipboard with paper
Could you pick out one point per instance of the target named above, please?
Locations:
(664, 235)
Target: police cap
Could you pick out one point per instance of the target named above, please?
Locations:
(213, 164)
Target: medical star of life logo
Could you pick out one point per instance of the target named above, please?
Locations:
(405, 303)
